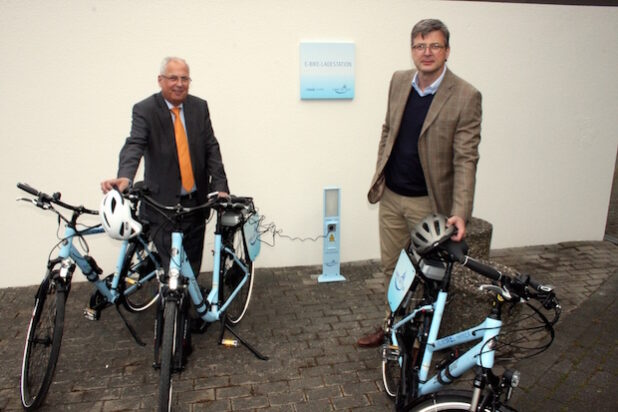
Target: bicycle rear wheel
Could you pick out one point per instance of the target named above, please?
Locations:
(167, 355)
(233, 274)
(137, 266)
(42, 343)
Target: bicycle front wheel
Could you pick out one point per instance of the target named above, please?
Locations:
(395, 356)
(42, 343)
(391, 376)
(167, 355)
(444, 402)
(141, 287)
(233, 274)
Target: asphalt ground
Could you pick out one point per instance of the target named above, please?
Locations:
(309, 331)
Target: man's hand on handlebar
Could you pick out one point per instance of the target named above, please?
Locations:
(121, 183)
(218, 195)
(460, 224)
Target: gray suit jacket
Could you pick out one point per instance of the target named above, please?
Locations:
(152, 137)
(448, 144)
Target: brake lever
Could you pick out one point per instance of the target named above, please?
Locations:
(36, 201)
(497, 290)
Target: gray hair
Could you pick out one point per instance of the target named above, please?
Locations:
(424, 27)
(169, 59)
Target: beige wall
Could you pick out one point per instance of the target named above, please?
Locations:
(72, 70)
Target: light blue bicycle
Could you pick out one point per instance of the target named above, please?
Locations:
(132, 284)
(417, 298)
(236, 246)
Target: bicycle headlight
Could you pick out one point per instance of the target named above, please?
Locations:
(173, 279)
(511, 378)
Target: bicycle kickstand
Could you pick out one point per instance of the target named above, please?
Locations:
(226, 326)
(129, 327)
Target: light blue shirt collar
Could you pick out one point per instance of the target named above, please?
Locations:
(182, 112)
(171, 106)
(432, 88)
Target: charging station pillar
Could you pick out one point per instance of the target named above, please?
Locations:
(332, 232)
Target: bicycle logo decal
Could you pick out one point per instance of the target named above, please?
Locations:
(400, 280)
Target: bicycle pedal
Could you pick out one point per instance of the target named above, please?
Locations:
(130, 281)
(92, 314)
(390, 352)
(232, 343)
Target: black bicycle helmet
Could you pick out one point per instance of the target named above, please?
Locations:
(430, 232)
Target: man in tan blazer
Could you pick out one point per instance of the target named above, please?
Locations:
(428, 150)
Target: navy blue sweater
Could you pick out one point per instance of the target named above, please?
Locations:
(403, 172)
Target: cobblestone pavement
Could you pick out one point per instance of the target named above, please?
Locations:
(309, 332)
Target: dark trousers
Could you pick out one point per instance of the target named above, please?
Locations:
(193, 227)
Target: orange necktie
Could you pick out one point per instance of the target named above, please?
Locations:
(182, 146)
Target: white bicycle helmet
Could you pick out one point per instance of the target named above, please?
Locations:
(430, 232)
(115, 213)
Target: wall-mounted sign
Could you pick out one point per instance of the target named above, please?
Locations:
(326, 70)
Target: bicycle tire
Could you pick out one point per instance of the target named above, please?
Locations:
(135, 267)
(232, 275)
(391, 376)
(445, 402)
(167, 355)
(43, 341)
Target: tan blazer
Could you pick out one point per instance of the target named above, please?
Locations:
(448, 144)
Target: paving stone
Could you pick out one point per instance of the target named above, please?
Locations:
(309, 331)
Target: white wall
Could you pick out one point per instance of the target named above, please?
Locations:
(73, 69)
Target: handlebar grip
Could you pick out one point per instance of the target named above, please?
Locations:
(25, 187)
(240, 199)
(535, 285)
(482, 268)
(539, 287)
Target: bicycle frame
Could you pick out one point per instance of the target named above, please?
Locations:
(69, 254)
(111, 294)
(482, 354)
(207, 309)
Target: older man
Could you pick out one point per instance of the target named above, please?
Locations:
(428, 150)
(172, 131)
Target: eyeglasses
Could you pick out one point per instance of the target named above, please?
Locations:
(176, 79)
(434, 47)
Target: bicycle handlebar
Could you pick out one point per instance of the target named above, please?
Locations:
(520, 287)
(482, 268)
(27, 188)
(230, 202)
(43, 199)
